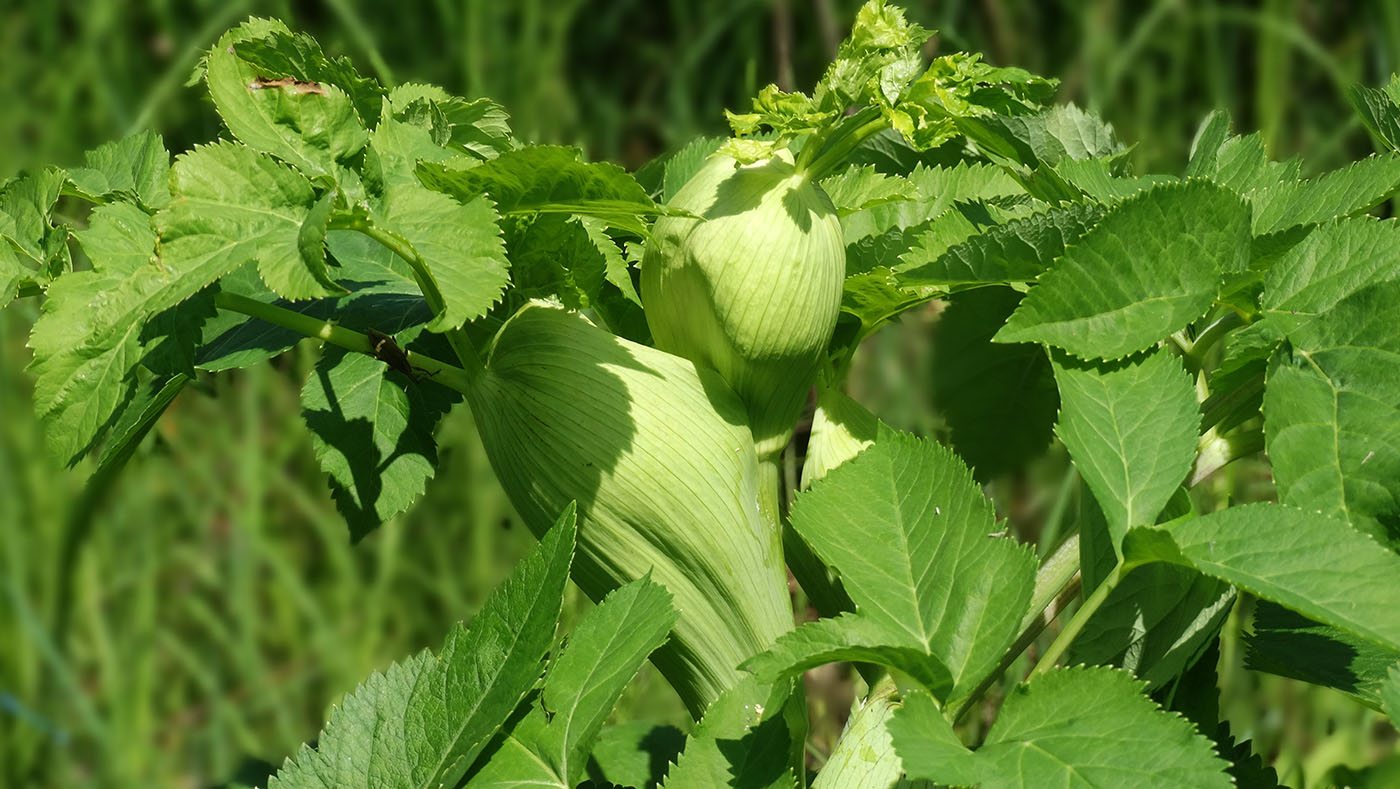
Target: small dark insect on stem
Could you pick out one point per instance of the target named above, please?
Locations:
(386, 349)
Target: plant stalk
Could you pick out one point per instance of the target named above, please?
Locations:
(461, 344)
(1078, 621)
(438, 371)
(1056, 585)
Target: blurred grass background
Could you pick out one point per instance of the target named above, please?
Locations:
(218, 608)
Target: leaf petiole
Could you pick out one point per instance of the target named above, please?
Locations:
(328, 331)
(471, 362)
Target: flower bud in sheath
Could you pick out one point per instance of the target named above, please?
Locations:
(661, 463)
(750, 285)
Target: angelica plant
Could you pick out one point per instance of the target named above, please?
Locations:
(636, 350)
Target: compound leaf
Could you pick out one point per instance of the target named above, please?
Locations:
(372, 430)
(1332, 417)
(423, 721)
(1356, 188)
(913, 539)
(1319, 566)
(298, 56)
(549, 179)
(1149, 268)
(459, 242)
(136, 167)
(311, 125)
(1077, 727)
(580, 688)
(1130, 427)
(1331, 263)
(1018, 251)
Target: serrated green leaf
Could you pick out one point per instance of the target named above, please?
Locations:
(1205, 146)
(1095, 178)
(913, 539)
(1078, 727)
(849, 638)
(134, 167)
(1062, 132)
(1246, 767)
(1018, 251)
(298, 56)
(1354, 189)
(1390, 695)
(1242, 164)
(1379, 111)
(422, 722)
(583, 683)
(372, 430)
(32, 248)
(635, 753)
(1150, 267)
(548, 179)
(1306, 561)
(137, 417)
(999, 401)
(459, 242)
(685, 163)
(1155, 623)
(1291, 645)
(938, 190)
(859, 188)
(1331, 263)
(313, 277)
(553, 255)
(1131, 429)
(310, 125)
(1332, 416)
(395, 149)
(93, 331)
(740, 743)
(233, 204)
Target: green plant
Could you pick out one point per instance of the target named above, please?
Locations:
(1161, 326)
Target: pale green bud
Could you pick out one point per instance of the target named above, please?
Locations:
(750, 285)
(662, 465)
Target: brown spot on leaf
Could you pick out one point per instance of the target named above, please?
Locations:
(293, 86)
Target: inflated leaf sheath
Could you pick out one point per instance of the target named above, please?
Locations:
(659, 459)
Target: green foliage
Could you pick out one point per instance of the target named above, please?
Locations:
(423, 721)
(1078, 727)
(1148, 269)
(1130, 427)
(919, 544)
(1163, 326)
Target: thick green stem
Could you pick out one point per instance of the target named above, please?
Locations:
(461, 344)
(1078, 621)
(437, 371)
(1215, 451)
